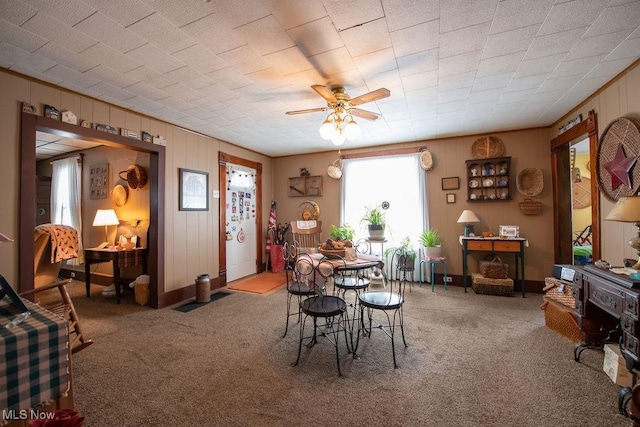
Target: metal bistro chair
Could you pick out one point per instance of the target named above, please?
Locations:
(300, 279)
(331, 308)
(389, 303)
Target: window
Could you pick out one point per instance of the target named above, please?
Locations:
(66, 198)
(396, 179)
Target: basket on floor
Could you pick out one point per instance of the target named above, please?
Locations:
(560, 291)
(499, 287)
(530, 207)
(492, 267)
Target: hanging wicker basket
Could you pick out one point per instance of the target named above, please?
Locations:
(530, 207)
(487, 147)
(530, 182)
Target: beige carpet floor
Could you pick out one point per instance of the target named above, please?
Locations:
(472, 360)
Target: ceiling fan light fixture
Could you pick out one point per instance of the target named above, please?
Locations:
(338, 139)
(327, 129)
(351, 129)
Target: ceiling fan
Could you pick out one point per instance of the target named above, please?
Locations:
(340, 124)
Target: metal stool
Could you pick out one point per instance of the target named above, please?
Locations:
(432, 261)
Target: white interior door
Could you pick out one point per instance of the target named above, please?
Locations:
(241, 222)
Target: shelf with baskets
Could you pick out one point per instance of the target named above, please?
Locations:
(488, 179)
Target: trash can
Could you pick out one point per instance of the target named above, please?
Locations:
(276, 258)
(141, 290)
(203, 288)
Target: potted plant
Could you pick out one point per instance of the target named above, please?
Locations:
(344, 232)
(375, 220)
(432, 242)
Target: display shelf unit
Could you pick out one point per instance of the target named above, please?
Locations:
(488, 180)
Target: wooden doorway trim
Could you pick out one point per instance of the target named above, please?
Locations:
(30, 125)
(223, 159)
(561, 181)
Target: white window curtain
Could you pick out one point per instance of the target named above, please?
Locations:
(66, 198)
(398, 180)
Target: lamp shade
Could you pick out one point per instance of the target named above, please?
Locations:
(626, 209)
(468, 216)
(4, 238)
(105, 217)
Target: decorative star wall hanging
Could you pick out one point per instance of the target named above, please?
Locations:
(619, 168)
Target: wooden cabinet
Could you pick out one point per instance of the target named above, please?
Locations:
(488, 179)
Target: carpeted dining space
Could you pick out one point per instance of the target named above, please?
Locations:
(472, 360)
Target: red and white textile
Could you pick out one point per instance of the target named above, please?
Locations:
(64, 240)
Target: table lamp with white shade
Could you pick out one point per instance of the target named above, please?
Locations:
(105, 217)
(627, 209)
(467, 218)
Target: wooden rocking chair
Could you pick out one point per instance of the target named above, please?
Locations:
(46, 278)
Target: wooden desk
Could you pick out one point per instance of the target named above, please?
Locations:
(608, 305)
(495, 244)
(120, 259)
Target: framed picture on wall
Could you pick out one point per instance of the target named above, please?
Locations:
(451, 197)
(451, 183)
(193, 190)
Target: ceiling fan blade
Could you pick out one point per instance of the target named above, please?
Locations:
(310, 110)
(371, 96)
(364, 114)
(324, 92)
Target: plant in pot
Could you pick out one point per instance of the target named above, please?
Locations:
(375, 220)
(345, 232)
(432, 242)
(405, 255)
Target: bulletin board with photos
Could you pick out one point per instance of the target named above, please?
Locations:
(99, 181)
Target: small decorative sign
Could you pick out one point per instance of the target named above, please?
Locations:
(51, 112)
(571, 123)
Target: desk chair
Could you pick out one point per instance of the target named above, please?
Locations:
(306, 235)
(46, 278)
(389, 303)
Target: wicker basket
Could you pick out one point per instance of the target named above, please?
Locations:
(560, 291)
(487, 147)
(530, 182)
(483, 285)
(530, 207)
(492, 267)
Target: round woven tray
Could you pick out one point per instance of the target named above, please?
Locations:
(332, 254)
(582, 193)
(487, 147)
(530, 182)
(625, 133)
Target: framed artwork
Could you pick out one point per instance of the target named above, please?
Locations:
(451, 183)
(193, 190)
(451, 198)
(98, 181)
(509, 231)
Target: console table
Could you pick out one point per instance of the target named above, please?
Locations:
(514, 245)
(120, 259)
(608, 305)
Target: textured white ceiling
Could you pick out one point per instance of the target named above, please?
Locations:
(232, 68)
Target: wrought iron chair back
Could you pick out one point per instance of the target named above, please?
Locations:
(300, 279)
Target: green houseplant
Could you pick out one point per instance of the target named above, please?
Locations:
(375, 220)
(344, 232)
(432, 242)
(405, 255)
